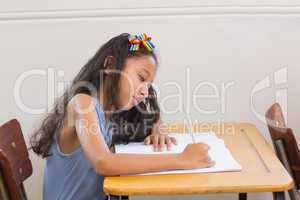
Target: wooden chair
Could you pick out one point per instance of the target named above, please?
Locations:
(3, 189)
(285, 145)
(15, 165)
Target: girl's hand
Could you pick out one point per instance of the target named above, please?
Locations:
(196, 156)
(160, 141)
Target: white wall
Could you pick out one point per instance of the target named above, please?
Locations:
(222, 42)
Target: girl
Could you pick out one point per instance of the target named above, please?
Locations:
(110, 101)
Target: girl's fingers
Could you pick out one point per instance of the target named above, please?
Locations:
(162, 142)
(155, 142)
(211, 164)
(169, 143)
(207, 164)
(174, 141)
(207, 159)
(147, 141)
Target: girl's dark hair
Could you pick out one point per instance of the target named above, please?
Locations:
(126, 126)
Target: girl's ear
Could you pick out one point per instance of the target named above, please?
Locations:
(109, 63)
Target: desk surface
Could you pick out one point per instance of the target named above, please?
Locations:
(261, 170)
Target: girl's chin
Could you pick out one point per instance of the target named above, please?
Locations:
(127, 107)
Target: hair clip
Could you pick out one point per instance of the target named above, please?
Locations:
(136, 40)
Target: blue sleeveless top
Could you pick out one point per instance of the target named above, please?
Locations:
(71, 176)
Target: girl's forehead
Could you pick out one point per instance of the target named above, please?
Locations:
(145, 63)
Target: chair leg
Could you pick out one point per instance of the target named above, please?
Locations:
(294, 194)
(279, 148)
(23, 192)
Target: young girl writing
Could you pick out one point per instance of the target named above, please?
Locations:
(110, 101)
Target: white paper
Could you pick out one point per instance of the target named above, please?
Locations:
(218, 152)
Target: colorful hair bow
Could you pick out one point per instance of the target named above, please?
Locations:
(136, 40)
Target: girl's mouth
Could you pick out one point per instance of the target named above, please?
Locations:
(137, 100)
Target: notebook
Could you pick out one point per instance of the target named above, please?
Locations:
(218, 152)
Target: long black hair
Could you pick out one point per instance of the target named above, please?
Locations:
(126, 126)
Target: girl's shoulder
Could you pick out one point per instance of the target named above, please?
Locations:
(80, 104)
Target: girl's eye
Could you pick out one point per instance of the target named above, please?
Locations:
(141, 78)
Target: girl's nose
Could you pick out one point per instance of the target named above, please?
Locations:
(145, 90)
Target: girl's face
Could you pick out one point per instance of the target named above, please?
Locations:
(136, 77)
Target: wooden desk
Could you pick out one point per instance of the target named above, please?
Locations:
(261, 169)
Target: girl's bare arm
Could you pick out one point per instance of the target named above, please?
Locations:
(103, 160)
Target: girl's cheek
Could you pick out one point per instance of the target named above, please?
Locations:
(134, 86)
(123, 92)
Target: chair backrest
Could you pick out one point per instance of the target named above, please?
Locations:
(279, 131)
(15, 164)
(3, 189)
